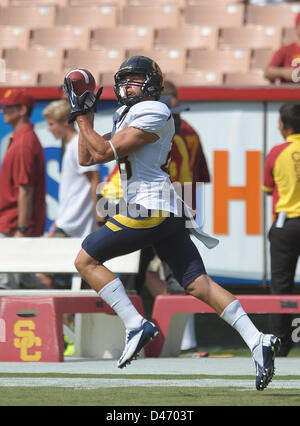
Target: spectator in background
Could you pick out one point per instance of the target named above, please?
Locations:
(285, 60)
(196, 158)
(77, 201)
(282, 180)
(22, 181)
(77, 197)
(187, 165)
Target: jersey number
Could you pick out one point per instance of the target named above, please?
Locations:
(165, 167)
(125, 166)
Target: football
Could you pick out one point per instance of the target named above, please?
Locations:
(82, 80)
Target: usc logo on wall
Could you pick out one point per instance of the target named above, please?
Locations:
(27, 341)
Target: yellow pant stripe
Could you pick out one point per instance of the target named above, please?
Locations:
(113, 227)
(148, 222)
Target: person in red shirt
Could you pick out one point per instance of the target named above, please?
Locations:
(22, 175)
(283, 65)
(197, 164)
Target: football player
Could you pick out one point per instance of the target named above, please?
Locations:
(154, 215)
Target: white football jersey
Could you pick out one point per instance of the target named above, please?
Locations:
(146, 171)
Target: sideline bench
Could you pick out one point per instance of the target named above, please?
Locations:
(54, 255)
(31, 326)
(170, 314)
(41, 316)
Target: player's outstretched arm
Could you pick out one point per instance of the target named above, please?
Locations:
(84, 156)
(93, 148)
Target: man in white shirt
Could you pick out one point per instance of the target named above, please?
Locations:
(77, 199)
(141, 141)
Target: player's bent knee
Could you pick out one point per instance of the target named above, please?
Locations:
(199, 287)
(78, 263)
(82, 261)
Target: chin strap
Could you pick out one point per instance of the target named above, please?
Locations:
(132, 100)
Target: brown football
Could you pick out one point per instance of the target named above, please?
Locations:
(82, 80)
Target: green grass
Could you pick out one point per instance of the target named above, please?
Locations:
(139, 396)
(156, 396)
(136, 396)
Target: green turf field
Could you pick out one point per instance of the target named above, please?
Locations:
(137, 396)
(224, 378)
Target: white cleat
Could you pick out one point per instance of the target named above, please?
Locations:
(263, 356)
(136, 339)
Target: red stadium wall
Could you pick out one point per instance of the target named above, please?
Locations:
(263, 94)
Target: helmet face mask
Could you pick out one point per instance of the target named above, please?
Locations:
(150, 87)
(123, 95)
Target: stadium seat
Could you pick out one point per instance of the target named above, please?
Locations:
(59, 3)
(38, 59)
(187, 37)
(120, 3)
(107, 79)
(48, 79)
(168, 59)
(216, 2)
(225, 60)
(160, 16)
(246, 79)
(179, 3)
(20, 78)
(289, 35)
(278, 15)
(210, 15)
(28, 17)
(260, 58)
(250, 37)
(123, 37)
(196, 78)
(95, 60)
(14, 37)
(61, 37)
(90, 17)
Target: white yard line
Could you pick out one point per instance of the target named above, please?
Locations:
(93, 383)
(154, 366)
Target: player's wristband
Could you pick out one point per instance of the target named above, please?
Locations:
(114, 151)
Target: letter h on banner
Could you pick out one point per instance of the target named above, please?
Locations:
(251, 192)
